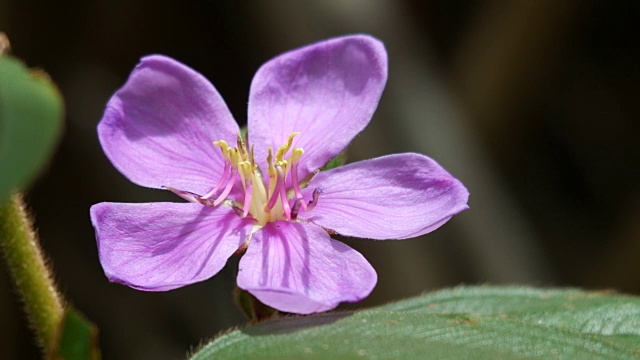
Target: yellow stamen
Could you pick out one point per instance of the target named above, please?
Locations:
(295, 155)
(224, 147)
(252, 158)
(271, 169)
(264, 202)
(234, 156)
(282, 150)
(246, 172)
(284, 164)
(242, 148)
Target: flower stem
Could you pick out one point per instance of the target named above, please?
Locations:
(29, 271)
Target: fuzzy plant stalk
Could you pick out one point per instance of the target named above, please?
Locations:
(29, 271)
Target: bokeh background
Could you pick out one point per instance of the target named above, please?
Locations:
(533, 104)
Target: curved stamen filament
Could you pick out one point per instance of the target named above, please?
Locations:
(274, 194)
(223, 196)
(247, 199)
(300, 202)
(233, 155)
(189, 196)
(245, 174)
(271, 170)
(295, 209)
(283, 193)
(295, 159)
(227, 154)
(314, 202)
(223, 178)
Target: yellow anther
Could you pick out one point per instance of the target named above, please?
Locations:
(252, 158)
(246, 170)
(241, 146)
(282, 151)
(284, 164)
(224, 147)
(295, 155)
(234, 156)
(271, 168)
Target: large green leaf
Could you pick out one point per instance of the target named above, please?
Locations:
(461, 323)
(30, 120)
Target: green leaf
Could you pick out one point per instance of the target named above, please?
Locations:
(335, 162)
(461, 323)
(78, 338)
(31, 112)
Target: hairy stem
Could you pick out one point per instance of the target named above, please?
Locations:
(29, 271)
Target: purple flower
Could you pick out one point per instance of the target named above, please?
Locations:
(169, 128)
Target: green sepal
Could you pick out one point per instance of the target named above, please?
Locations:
(251, 307)
(77, 338)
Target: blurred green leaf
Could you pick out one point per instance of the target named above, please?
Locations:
(78, 338)
(461, 323)
(335, 162)
(31, 112)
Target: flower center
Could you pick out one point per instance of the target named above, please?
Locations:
(263, 203)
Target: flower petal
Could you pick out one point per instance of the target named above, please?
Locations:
(163, 246)
(327, 91)
(298, 268)
(159, 127)
(392, 197)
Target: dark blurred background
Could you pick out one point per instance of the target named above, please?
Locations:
(533, 104)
